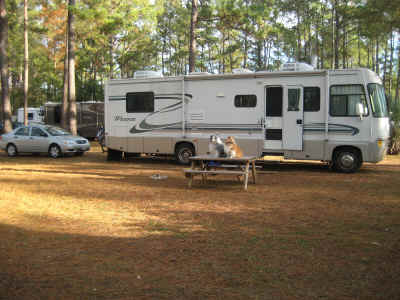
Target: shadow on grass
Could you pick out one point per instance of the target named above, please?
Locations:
(238, 256)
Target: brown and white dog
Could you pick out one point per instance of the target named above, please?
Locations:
(233, 148)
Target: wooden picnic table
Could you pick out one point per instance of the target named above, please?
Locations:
(209, 165)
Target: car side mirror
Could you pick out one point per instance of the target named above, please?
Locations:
(44, 134)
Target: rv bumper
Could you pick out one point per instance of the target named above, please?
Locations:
(378, 150)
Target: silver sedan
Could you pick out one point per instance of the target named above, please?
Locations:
(43, 139)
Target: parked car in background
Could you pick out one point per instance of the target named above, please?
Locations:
(43, 139)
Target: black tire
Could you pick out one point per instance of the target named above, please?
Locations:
(347, 160)
(54, 151)
(114, 155)
(12, 150)
(183, 152)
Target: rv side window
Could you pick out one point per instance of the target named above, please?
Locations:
(344, 100)
(312, 98)
(140, 102)
(30, 116)
(245, 100)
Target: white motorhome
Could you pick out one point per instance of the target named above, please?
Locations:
(35, 115)
(337, 116)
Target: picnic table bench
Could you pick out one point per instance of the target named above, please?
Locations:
(209, 165)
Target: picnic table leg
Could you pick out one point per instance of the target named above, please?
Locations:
(246, 175)
(253, 171)
(203, 176)
(190, 180)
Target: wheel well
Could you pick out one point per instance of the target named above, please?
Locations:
(342, 148)
(11, 144)
(177, 145)
(53, 144)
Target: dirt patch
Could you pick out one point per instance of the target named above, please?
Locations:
(84, 228)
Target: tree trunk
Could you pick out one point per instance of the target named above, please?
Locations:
(336, 43)
(192, 44)
(398, 80)
(391, 63)
(385, 64)
(64, 105)
(377, 66)
(5, 97)
(333, 35)
(71, 68)
(26, 62)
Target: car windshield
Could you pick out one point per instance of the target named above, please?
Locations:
(378, 100)
(56, 131)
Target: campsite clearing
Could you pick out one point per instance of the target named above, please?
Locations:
(84, 228)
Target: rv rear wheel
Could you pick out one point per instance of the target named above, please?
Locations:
(183, 152)
(347, 160)
(114, 155)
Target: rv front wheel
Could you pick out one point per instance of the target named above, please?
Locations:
(347, 160)
(183, 152)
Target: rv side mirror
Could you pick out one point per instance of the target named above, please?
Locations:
(360, 110)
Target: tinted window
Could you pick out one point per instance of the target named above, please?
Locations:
(274, 96)
(344, 100)
(312, 99)
(245, 100)
(37, 132)
(140, 102)
(30, 116)
(22, 131)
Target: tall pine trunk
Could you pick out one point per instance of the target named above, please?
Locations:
(192, 43)
(26, 62)
(5, 96)
(397, 95)
(64, 104)
(71, 68)
(336, 41)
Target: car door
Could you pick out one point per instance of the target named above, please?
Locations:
(21, 139)
(39, 140)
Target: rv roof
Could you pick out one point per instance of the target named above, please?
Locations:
(259, 74)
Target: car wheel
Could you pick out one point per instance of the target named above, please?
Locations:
(183, 152)
(54, 151)
(347, 160)
(12, 150)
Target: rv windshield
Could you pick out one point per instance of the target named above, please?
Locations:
(56, 131)
(378, 100)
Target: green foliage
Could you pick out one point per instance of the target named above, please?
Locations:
(115, 38)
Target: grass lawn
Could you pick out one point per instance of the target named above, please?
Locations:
(84, 228)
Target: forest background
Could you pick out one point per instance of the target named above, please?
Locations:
(115, 38)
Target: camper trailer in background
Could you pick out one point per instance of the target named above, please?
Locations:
(337, 116)
(89, 117)
(35, 115)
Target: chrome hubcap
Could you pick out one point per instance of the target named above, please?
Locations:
(11, 150)
(347, 160)
(54, 151)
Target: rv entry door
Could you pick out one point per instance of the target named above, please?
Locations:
(293, 118)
